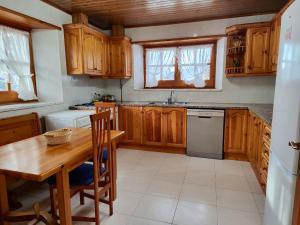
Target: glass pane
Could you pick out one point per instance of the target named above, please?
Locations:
(153, 57)
(203, 71)
(3, 85)
(187, 73)
(168, 56)
(14, 83)
(153, 72)
(168, 73)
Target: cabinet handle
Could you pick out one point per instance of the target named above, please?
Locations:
(294, 145)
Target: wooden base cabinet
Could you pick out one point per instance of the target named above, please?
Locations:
(235, 139)
(154, 126)
(131, 121)
(258, 147)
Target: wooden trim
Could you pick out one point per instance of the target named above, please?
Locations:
(205, 19)
(12, 96)
(200, 38)
(152, 148)
(178, 83)
(21, 21)
(285, 7)
(57, 6)
(296, 214)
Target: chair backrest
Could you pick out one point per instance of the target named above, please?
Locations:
(17, 128)
(112, 106)
(100, 124)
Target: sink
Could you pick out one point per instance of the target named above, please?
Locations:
(167, 103)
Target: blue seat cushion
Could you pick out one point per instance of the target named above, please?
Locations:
(105, 154)
(82, 175)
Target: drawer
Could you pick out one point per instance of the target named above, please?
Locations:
(267, 134)
(265, 151)
(83, 122)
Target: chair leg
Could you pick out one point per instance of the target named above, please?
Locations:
(81, 193)
(111, 208)
(97, 205)
(53, 202)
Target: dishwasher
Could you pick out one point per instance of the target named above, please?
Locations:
(205, 133)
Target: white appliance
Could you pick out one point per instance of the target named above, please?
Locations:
(205, 133)
(68, 118)
(284, 160)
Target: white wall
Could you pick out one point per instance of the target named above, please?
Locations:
(54, 85)
(234, 90)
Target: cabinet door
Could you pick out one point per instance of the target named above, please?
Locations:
(88, 53)
(116, 57)
(257, 144)
(99, 54)
(73, 43)
(174, 131)
(128, 59)
(274, 44)
(235, 131)
(130, 121)
(257, 50)
(152, 123)
(250, 128)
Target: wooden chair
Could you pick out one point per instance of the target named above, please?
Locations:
(112, 106)
(96, 176)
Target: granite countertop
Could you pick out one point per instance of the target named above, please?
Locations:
(264, 111)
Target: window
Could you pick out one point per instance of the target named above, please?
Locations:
(17, 82)
(186, 66)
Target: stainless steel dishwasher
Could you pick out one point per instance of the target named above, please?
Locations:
(205, 128)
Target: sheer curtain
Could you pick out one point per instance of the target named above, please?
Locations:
(160, 65)
(15, 62)
(194, 64)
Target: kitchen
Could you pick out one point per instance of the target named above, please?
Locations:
(227, 114)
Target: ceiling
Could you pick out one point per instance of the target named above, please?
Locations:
(134, 13)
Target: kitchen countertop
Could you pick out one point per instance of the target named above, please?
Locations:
(264, 111)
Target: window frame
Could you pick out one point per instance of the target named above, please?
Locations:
(178, 83)
(11, 97)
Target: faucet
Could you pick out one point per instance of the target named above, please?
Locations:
(171, 99)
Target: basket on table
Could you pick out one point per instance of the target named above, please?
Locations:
(58, 137)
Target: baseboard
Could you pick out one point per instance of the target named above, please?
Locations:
(153, 148)
(236, 156)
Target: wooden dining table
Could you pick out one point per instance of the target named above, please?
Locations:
(32, 159)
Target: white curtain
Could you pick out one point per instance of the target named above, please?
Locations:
(15, 62)
(160, 65)
(194, 64)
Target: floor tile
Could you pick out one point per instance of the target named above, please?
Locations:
(127, 202)
(260, 201)
(140, 221)
(228, 167)
(188, 213)
(207, 179)
(232, 217)
(173, 176)
(133, 184)
(232, 182)
(164, 189)
(254, 185)
(116, 219)
(236, 200)
(201, 164)
(200, 194)
(156, 208)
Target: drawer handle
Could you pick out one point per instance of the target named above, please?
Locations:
(205, 117)
(294, 145)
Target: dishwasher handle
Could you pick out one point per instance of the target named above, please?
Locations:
(204, 117)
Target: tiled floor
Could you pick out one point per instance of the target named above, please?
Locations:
(160, 189)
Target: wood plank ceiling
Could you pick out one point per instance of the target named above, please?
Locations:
(133, 13)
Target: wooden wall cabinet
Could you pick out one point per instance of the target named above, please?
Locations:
(235, 135)
(161, 126)
(86, 51)
(257, 53)
(131, 121)
(252, 49)
(121, 57)
(90, 52)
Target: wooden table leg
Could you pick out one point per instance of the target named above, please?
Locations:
(63, 197)
(114, 168)
(4, 207)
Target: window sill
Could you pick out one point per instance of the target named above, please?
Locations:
(178, 90)
(15, 107)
